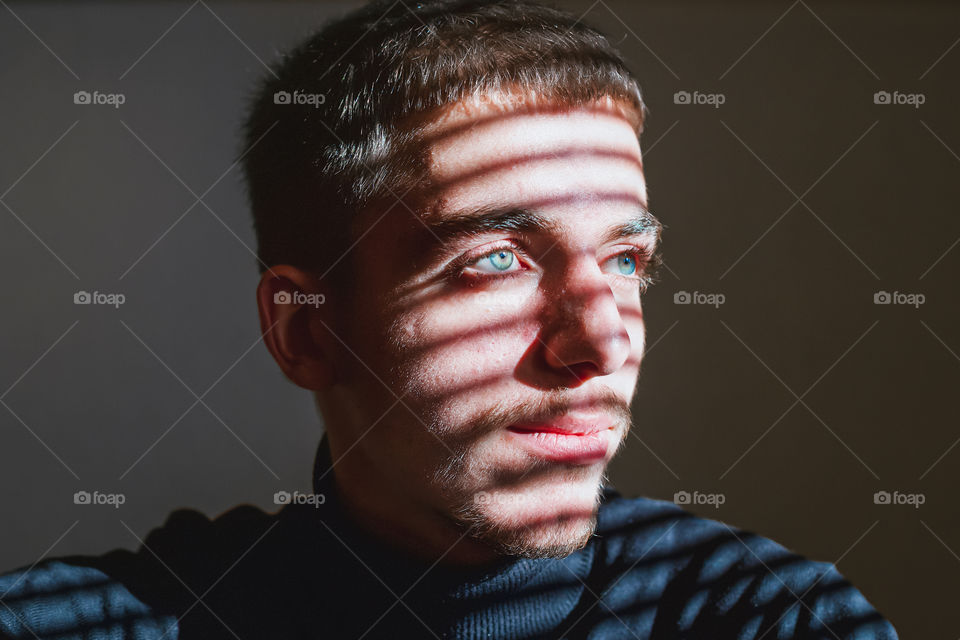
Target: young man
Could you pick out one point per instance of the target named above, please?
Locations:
(454, 239)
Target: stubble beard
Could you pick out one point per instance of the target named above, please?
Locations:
(476, 514)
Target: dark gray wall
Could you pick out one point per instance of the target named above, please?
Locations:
(797, 399)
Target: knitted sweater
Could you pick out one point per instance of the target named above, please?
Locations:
(652, 571)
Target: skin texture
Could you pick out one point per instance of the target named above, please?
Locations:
(419, 369)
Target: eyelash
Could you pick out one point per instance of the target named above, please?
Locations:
(644, 263)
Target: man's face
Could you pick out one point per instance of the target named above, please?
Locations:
(505, 318)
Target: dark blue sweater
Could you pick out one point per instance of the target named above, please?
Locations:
(652, 571)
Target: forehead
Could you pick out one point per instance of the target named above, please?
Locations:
(549, 158)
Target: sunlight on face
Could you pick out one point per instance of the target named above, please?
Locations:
(514, 324)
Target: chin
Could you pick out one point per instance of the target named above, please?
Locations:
(555, 539)
(547, 521)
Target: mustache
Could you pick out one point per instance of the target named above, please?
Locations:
(540, 408)
(544, 406)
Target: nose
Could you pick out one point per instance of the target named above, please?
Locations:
(584, 334)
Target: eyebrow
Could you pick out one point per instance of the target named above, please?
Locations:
(518, 219)
(643, 223)
(466, 224)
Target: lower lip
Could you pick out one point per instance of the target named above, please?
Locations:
(570, 448)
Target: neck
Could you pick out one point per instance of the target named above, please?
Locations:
(381, 508)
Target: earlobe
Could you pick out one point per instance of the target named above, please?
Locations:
(286, 299)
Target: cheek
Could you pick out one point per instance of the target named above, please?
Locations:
(638, 337)
(452, 348)
(631, 314)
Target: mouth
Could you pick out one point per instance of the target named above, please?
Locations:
(565, 441)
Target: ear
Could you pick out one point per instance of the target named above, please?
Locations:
(287, 298)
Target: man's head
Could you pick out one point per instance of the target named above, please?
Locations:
(462, 182)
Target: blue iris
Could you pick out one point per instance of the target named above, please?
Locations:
(501, 260)
(626, 264)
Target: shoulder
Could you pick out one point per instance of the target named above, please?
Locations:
(138, 595)
(62, 597)
(704, 576)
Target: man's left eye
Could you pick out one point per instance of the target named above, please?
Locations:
(624, 264)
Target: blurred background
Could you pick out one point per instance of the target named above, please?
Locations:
(802, 371)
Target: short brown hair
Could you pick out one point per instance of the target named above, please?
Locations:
(324, 133)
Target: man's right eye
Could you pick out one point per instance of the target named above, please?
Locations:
(502, 261)
(498, 261)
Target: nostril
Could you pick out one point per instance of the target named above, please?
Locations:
(582, 371)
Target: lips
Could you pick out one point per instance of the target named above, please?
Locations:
(565, 439)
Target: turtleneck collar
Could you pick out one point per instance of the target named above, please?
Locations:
(493, 585)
